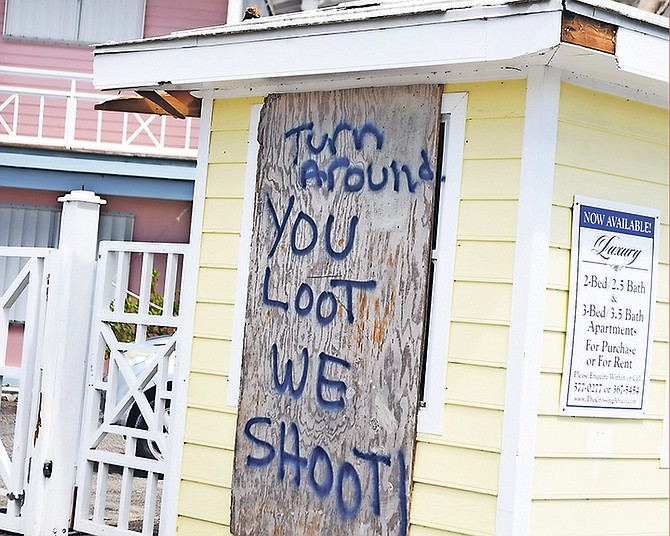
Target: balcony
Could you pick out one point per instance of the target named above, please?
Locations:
(54, 110)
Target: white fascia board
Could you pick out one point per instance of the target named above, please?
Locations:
(343, 49)
(642, 54)
(599, 71)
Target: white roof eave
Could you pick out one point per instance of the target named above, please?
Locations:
(425, 42)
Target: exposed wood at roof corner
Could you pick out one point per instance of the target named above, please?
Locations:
(589, 33)
(180, 104)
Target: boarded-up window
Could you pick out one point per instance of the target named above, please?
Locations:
(335, 312)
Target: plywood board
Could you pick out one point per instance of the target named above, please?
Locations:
(335, 312)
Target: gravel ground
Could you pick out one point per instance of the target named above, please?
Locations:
(7, 418)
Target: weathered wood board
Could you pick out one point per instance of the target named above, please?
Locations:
(335, 311)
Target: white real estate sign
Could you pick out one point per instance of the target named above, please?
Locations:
(612, 295)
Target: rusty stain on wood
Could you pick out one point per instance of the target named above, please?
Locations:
(338, 269)
(589, 33)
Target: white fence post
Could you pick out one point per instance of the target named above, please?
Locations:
(49, 495)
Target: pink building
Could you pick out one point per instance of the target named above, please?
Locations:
(52, 140)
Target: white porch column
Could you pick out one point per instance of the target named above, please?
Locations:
(524, 355)
(71, 271)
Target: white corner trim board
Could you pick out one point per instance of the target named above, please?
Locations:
(528, 297)
(188, 293)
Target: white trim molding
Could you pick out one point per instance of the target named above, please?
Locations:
(188, 293)
(454, 107)
(528, 296)
(235, 370)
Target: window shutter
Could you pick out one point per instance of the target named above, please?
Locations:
(107, 20)
(52, 20)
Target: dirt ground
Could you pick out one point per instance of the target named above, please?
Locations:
(8, 405)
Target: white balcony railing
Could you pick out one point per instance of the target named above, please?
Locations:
(54, 109)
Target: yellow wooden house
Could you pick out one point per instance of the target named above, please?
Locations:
(524, 388)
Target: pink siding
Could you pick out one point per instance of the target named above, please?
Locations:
(156, 220)
(162, 16)
(165, 16)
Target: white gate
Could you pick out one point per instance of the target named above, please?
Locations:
(125, 445)
(21, 338)
(90, 348)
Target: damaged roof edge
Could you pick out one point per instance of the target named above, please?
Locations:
(437, 38)
(346, 13)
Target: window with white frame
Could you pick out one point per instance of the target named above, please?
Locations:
(74, 21)
(452, 139)
(441, 273)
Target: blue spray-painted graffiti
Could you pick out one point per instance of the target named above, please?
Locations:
(296, 232)
(340, 169)
(358, 135)
(322, 474)
(326, 303)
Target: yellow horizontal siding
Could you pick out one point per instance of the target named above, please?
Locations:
(495, 138)
(496, 179)
(598, 438)
(456, 474)
(558, 269)
(602, 185)
(481, 302)
(484, 261)
(614, 114)
(659, 362)
(624, 517)
(612, 478)
(478, 343)
(466, 469)
(210, 355)
(599, 476)
(453, 510)
(418, 530)
(487, 220)
(476, 386)
(219, 249)
(207, 390)
(207, 465)
(610, 153)
(555, 309)
(553, 347)
(205, 502)
(232, 114)
(225, 180)
(187, 526)
(471, 427)
(663, 274)
(500, 98)
(217, 284)
(228, 147)
(661, 321)
(214, 320)
(560, 232)
(222, 214)
(210, 428)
